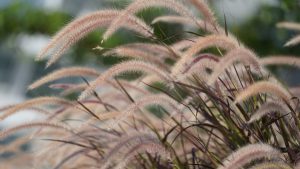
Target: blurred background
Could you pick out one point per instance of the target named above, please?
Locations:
(27, 25)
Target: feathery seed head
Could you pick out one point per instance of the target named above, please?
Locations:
(219, 41)
(264, 87)
(139, 5)
(133, 65)
(62, 73)
(249, 153)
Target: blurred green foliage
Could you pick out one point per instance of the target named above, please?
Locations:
(260, 32)
(21, 17)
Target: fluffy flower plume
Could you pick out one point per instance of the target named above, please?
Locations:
(267, 108)
(219, 41)
(137, 54)
(264, 87)
(139, 5)
(166, 102)
(132, 66)
(292, 26)
(186, 21)
(242, 55)
(12, 130)
(280, 60)
(134, 142)
(289, 25)
(37, 102)
(80, 27)
(203, 7)
(249, 153)
(62, 73)
(294, 41)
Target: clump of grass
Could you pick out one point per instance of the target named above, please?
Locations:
(202, 110)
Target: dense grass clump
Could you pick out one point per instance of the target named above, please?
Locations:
(200, 102)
